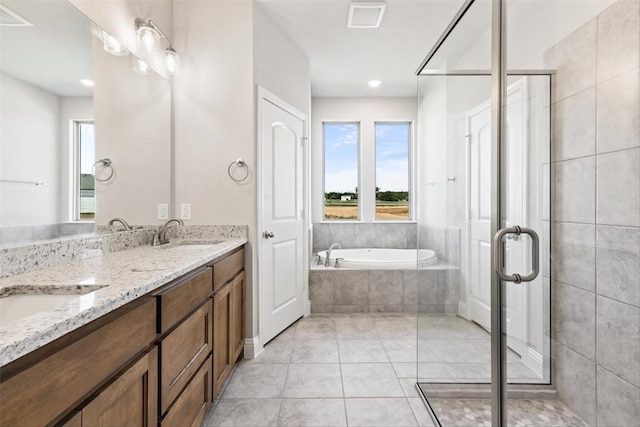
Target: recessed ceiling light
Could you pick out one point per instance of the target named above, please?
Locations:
(365, 14)
(87, 82)
(374, 83)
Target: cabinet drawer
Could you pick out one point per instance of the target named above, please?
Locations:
(191, 406)
(225, 269)
(183, 351)
(42, 393)
(177, 301)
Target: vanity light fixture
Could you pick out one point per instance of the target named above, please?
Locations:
(87, 82)
(374, 83)
(171, 61)
(112, 45)
(149, 37)
(139, 66)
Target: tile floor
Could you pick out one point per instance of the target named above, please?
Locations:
(353, 369)
(329, 370)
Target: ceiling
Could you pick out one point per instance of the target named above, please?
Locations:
(342, 60)
(54, 53)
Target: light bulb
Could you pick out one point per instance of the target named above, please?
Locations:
(171, 61)
(148, 37)
(113, 46)
(139, 66)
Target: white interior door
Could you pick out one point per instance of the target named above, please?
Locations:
(516, 247)
(479, 200)
(282, 235)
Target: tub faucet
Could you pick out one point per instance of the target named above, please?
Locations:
(327, 261)
(121, 221)
(161, 237)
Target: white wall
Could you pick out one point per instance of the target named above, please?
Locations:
(228, 48)
(133, 129)
(71, 108)
(366, 111)
(280, 66)
(29, 131)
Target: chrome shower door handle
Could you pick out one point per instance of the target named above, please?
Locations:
(498, 254)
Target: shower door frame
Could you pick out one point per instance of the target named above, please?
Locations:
(499, 75)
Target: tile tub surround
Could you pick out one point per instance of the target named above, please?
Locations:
(23, 258)
(382, 291)
(126, 276)
(597, 232)
(395, 235)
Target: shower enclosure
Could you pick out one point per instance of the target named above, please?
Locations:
(506, 136)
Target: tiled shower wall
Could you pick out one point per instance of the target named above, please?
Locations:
(597, 211)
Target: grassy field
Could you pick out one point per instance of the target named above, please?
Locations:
(349, 210)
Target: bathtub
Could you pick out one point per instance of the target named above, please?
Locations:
(380, 258)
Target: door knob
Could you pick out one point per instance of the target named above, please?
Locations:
(268, 235)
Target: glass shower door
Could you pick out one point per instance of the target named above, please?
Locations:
(474, 330)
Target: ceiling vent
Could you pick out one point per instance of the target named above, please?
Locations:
(365, 14)
(9, 18)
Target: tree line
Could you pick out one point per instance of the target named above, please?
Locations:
(384, 196)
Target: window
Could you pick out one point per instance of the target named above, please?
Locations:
(85, 202)
(393, 141)
(341, 141)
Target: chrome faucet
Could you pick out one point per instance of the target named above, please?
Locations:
(161, 237)
(121, 221)
(327, 260)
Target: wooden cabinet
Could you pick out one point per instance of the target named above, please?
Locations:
(237, 316)
(222, 363)
(157, 360)
(178, 299)
(131, 400)
(183, 351)
(228, 319)
(47, 391)
(191, 407)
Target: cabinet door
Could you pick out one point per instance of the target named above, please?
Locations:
(237, 316)
(222, 362)
(131, 400)
(182, 352)
(191, 407)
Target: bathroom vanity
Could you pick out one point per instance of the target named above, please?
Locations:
(154, 346)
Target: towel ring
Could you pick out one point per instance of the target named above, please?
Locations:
(106, 162)
(239, 164)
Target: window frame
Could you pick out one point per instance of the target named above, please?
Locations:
(324, 168)
(76, 169)
(410, 168)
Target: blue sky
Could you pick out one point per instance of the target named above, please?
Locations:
(341, 156)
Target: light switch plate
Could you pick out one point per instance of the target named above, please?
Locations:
(185, 211)
(163, 211)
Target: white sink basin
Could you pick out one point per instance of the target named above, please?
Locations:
(19, 306)
(191, 247)
(187, 245)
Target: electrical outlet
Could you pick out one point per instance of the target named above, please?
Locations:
(163, 211)
(185, 211)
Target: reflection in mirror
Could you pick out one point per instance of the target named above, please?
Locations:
(65, 103)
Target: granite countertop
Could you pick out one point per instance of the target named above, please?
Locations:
(117, 277)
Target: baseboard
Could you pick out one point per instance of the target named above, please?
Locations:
(252, 347)
(463, 310)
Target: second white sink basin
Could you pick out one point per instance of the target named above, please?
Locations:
(21, 305)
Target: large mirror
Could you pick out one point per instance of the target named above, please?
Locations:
(83, 138)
